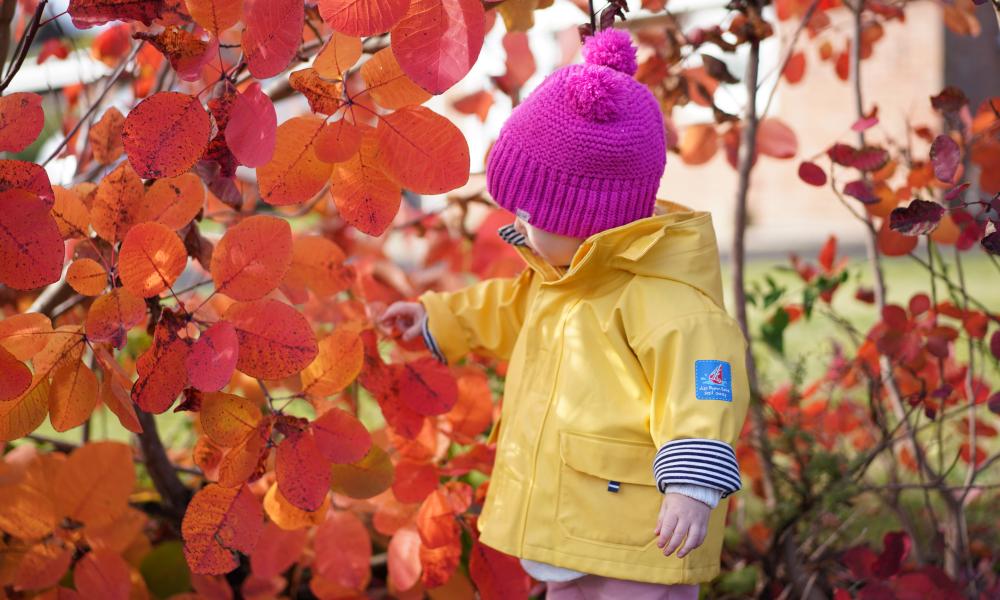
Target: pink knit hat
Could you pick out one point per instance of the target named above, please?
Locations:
(585, 150)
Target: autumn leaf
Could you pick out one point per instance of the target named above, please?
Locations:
(336, 365)
(21, 120)
(228, 419)
(103, 574)
(388, 85)
(324, 96)
(404, 558)
(25, 334)
(427, 387)
(165, 134)
(151, 259)
(215, 15)
(365, 196)
(218, 523)
(15, 376)
(272, 35)
(294, 173)
(112, 314)
(88, 13)
(422, 150)
(173, 201)
(340, 437)
(338, 141)
(497, 575)
(93, 485)
(366, 478)
(318, 263)
(252, 257)
(303, 475)
(70, 213)
(288, 516)
(211, 360)
(252, 127)
(72, 396)
(186, 52)
(438, 41)
(362, 17)
(19, 174)
(275, 339)
(31, 248)
(28, 510)
(414, 480)
(118, 204)
(338, 55)
(161, 369)
(343, 550)
(277, 549)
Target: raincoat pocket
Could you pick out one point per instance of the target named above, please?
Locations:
(606, 490)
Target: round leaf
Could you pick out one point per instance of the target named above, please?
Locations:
(252, 127)
(87, 277)
(218, 521)
(294, 173)
(113, 314)
(21, 120)
(422, 150)
(438, 41)
(212, 359)
(272, 35)
(365, 196)
(31, 248)
(252, 257)
(341, 437)
(275, 339)
(152, 258)
(173, 201)
(338, 363)
(362, 17)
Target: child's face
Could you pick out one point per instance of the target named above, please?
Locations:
(557, 250)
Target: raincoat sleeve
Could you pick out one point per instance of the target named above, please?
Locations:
(696, 370)
(484, 318)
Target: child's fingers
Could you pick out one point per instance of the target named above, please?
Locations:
(413, 332)
(695, 536)
(667, 525)
(680, 532)
(395, 311)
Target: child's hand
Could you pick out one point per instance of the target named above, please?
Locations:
(405, 317)
(682, 519)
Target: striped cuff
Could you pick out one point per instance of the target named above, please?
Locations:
(700, 493)
(511, 235)
(696, 461)
(430, 343)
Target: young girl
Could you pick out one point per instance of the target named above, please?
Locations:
(626, 386)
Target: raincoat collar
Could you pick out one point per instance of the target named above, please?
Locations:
(676, 243)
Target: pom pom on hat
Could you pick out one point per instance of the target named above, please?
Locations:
(595, 93)
(611, 48)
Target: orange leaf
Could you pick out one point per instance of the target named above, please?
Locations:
(87, 277)
(336, 365)
(275, 339)
(219, 521)
(422, 150)
(173, 201)
(324, 96)
(404, 558)
(294, 173)
(388, 85)
(245, 461)
(338, 55)
(113, 314)
(119, 402)
(252, 257)
(31, 247)
(28, 511)
(43, 565)
(318, 263)
(338, 141)
(15, 376)
(166, 134)
(28, 176)
(364, 195)
(215, 15)
(795, 69)
(343, 550)
(436, 521)
(103, 574)
(277, 549)
(93, 485)
(341, 437)
(151, 259)
(212, 359)
(362, 17)
(228, 419)
(288, 516)
(439, 564)
(474, 410)
(26, 334)
(893, 243)
(699, 143)
(366, 478)
(65, 344)
(303, 474)
(186, 51)
(71, 214)
(119, 535)
(478, 103)
(21, 120)
(118, 204)
(73, 396)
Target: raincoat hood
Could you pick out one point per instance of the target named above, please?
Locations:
(676, 243)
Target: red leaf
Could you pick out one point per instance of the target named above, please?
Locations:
(295, 173)
(497, 576)
(363, 193)
(187, 52)
(859, 560)
(303, 474)
(162, 371)
(87, 13)
(776, 139)
(427, 387)
(252, 258)
(919, 218)
(478, 104)
(103, 574)
(795, 69)
(439, 564)
(995, 344)
(151, 259)
(212, 359)
(272, 35)
(341, 437)
(31, 247)
(828, 253)
(414, 480)
(343, 550)
(275, 339)
(423, 151)
(112, 315)
(166, 134)
(436, 521)
(438, 41)
(896, 546)
(276, 550)
(15, 377)
(252, 127)
(52, 47)
(945, 157)
(28, 176)
(21, 120)
(520, 62)
(812, 174)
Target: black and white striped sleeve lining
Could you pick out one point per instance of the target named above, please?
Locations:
(709, 463)
(430, 343)
(512, 236)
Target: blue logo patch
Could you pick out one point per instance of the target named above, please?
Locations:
(713, 380)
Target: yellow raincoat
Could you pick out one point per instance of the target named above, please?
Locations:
(626, 357)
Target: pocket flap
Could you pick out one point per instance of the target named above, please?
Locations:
(607, 458)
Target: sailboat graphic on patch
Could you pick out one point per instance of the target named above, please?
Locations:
(713, 380)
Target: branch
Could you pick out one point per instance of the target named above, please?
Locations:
(174, 493)
(25, 44)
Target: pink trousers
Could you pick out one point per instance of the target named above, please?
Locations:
(596, 587)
